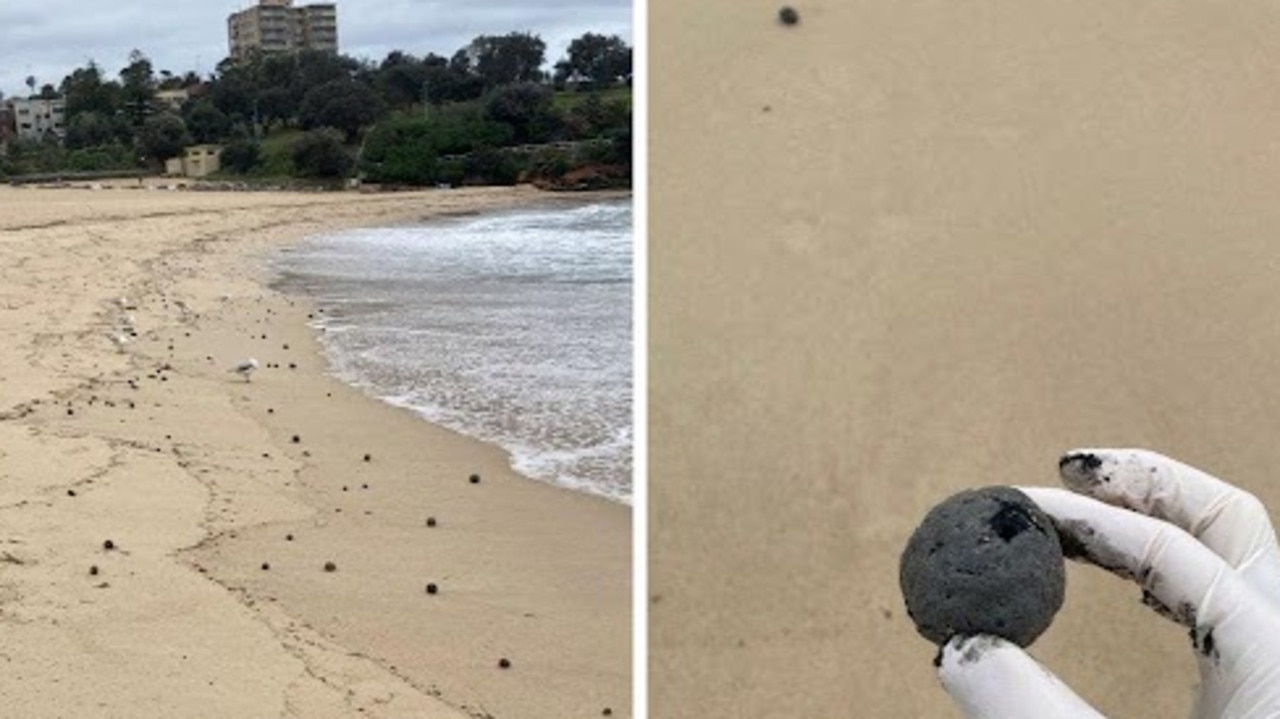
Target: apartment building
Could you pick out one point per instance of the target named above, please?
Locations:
(172, 99)
(278, 26)
(6, 128)
(37, 118)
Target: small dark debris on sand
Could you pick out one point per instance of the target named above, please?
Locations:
(330, 567)
(788, 15)
(368, 457)
(432, 588)
(93, 570)
(431, 521)
(108, 545)
(288, 537)
(266, 566)
(504, 663)
(475, 479)
(296, 439)
(71, 493)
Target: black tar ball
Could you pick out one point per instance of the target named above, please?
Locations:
(788, 15)
(504, 663)
(984, 561)
(432, 588)
(330, 567)
(108, 545)
(475, 479)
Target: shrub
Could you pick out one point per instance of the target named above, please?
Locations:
(320, 154)
(242, 156)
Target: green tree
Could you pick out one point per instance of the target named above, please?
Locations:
(93, 129)
(242, 156)
(235, 87)
(402, 79)
(452, 80)
(595, 61)
(316, 68)
(85, 91)
(138, 88)
(507, 59)
(319, 153)
(163, 136)
(407, 148)
(527, 108)
(594, 117)
(344, 104)
(206, 122)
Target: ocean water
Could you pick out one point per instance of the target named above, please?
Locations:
(512, 327)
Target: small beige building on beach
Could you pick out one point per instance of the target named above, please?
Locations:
(196, 161)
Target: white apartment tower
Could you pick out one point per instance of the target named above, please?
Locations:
(278, 26)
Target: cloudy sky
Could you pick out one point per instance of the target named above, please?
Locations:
(50, 38)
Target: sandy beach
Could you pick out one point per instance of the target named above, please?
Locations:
(224, 499)
(902, 249)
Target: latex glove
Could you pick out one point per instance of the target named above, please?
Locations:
(1205, 555)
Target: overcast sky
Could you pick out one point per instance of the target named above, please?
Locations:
(50, 38)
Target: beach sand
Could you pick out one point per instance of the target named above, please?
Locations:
(904, 248)
(205, 606)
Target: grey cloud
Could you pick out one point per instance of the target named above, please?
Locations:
(50, 38)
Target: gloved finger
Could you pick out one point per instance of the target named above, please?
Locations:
(1227, 519)
(1180, 577)
(990, 678)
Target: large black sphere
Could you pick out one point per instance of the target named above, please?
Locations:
(984, 561)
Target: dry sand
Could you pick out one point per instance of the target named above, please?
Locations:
(904, 248)
(195, 477)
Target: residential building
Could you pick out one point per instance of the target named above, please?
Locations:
(6, 128)
(274, 26)
(37, 118)
(173, 99)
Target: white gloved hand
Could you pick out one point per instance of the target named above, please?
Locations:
(1205, 555)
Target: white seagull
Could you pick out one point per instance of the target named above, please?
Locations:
(246, 368)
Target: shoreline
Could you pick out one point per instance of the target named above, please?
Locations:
(199, 478)
(277, 280)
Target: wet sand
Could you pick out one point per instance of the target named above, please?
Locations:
(205, 606)
(901, 249)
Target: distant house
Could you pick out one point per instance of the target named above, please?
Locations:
(195, 161)
(38, 118)
(7, 130)
(172, 99)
